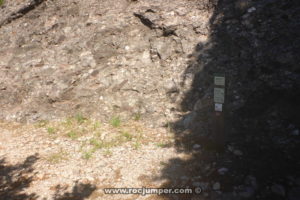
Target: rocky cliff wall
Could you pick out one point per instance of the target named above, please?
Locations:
(155, 59)
(101, 58)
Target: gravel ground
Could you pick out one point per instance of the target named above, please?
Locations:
(57, 163)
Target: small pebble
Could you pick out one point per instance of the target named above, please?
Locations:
(216, 186)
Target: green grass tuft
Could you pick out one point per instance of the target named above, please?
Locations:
(96, 143)
(57, 157)
(68, 122)
(80, 118)
(127, 135)
(41, 123)
(96, 125)
(136, 145)
(108, 153)
(162, 145)
(163, 163)
(87, 155)
(115, 122)
(73, 135)
(51, 130)
(137, 116)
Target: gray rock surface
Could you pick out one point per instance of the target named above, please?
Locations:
(73, 56)
(278, 189)
(216, 186)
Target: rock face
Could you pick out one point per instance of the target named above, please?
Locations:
(101, 58)
(152, 58)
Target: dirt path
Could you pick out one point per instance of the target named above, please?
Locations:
(55, 159)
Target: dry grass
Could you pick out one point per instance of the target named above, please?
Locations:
(57, 157)
(93, 135)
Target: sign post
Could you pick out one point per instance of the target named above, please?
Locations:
(218, 116)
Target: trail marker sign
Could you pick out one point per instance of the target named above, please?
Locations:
(218, 117)
(218, 107)
(219, 80)
(219, 94)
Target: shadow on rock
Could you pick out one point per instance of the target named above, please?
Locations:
(255, 44)
(15, 179)
(79, 192)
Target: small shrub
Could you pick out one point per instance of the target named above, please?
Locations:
(96, 143)
(87, 155)
(137, 116)
(97, 134)
(68, 122)
(162, 163)
(115, 122)
(162, 145)
(83, 130)
(107, 153)
(51, 130)
(73, 135)
(41, 123)
(128, 136)
(57, 157)
(96, 125)
(80, 118)
(136, 145)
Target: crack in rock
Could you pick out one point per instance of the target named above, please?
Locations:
(21, 12)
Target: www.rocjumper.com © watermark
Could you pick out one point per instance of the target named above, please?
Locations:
(159, 191)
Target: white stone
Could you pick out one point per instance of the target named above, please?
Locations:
(238, 152)
(295, 132)
(252, 9)
(278, 189)
(222, 170)
(196, 146)
(216, 186)
(230, 148)
(247, 192)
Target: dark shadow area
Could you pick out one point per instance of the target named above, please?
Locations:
(79, 192)
(14, 179)
(256, 45)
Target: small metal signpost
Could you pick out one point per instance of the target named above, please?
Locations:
(219, 100)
